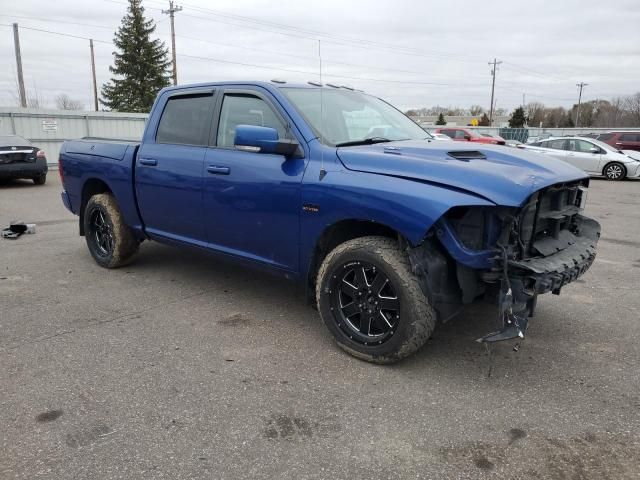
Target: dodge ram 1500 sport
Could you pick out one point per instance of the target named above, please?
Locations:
(391, 232)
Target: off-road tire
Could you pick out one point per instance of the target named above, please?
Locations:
(614, 171)
(125, 244)
(417, 317)
(40, 179)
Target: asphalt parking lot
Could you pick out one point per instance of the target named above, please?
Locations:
(184, 366)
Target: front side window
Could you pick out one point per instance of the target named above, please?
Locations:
(460, 134)
(349, 116)
(581, 146)
(185, 120)
(449, 133)
(242, 109)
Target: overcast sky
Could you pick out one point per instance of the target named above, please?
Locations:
(412, 53)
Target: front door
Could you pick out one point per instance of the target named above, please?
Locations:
(584, 155)
(169, 170)
(252, 201)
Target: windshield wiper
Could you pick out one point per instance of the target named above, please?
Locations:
(364, 141)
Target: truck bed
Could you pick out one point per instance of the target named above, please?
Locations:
(91, 163)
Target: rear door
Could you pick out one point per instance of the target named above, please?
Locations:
(169, 168)
(554, 148)
(628, 141)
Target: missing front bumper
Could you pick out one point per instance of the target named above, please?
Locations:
(523, 280)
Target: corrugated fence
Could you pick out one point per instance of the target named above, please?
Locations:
(47, 129)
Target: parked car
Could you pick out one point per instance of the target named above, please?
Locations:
(621, 140)
(20, 159)
(592, 156)
(389, 235)
(468, 135)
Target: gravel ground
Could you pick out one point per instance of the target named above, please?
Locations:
(184, 366)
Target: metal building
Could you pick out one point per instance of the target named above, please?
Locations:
(47, 129)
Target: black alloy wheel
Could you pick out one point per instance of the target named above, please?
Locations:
(101, 232)
(364, 303)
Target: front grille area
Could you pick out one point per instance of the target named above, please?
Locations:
(549, 222)
(14, 157)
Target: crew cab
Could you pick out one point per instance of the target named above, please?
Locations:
(468, 135)
(390, 231)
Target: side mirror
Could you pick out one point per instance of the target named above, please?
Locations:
(467, 136)
(252, 138)
(594, 150)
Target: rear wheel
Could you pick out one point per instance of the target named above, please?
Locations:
(40, 179)
(371, 302)
(110, 241)
(614, 171)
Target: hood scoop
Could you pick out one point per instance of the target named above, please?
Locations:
(467, 155)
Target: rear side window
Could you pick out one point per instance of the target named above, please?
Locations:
(605, 136)
(629, 137)
(241, 109)
(185, 120)
(555, 144)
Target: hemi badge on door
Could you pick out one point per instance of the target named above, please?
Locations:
(310, 207)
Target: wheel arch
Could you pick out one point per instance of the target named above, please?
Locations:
(338, 233)
(91, 187)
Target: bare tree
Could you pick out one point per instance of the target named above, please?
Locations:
(535, 113)
(632, 105)
(64, 102)
(476, 110)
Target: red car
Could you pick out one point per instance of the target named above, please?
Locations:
(621, 140)
(468, 135)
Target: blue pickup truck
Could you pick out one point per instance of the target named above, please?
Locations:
(390, 231)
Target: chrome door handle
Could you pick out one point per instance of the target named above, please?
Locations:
(150, 162)
(218, 170)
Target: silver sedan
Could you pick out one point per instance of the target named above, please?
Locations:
(593, 156)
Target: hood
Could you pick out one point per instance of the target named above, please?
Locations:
(507, 176)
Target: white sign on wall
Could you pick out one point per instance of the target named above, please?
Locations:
(49, 125)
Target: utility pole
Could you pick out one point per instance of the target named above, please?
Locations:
(93, 74)
(495, 63)
(581, 85)
(16, 43)
(172, 10)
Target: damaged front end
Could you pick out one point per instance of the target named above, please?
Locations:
(508, 256)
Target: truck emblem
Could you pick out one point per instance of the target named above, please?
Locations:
(310, 207)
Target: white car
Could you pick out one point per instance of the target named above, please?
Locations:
(593, 156)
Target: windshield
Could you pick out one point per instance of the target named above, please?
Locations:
(352, 117)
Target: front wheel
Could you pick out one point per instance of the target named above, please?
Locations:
(371, 302)
(111, 242)
(614, 171)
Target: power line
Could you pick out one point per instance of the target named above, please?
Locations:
(308, 72)
(57, 33)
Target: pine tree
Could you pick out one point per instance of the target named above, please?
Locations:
(140, 66)
(518, 118)
(441, 120)
(484, 121)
